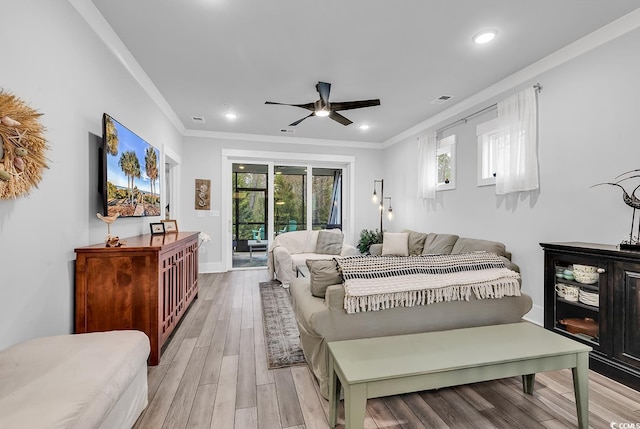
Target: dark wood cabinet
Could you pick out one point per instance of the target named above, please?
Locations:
(616, 313)
(146, 285)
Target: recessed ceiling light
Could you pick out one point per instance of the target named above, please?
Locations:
(485, 36)
(364, 127)
(230, 116)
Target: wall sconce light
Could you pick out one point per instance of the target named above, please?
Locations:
(374, 197)
(389, 210)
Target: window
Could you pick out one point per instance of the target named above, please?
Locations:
(446, 156)
(488, 137)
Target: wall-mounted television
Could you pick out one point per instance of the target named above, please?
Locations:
(130, 172)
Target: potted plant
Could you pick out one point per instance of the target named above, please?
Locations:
(367, 238)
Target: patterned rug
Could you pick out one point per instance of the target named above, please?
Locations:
(282, 339)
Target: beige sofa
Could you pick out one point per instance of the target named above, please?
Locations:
(292, 249)
(95, 380)
(323, 318)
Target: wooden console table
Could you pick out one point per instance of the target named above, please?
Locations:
(146, 285)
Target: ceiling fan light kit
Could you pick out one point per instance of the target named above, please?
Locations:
(324, 108)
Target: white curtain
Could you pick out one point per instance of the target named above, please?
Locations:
(427, 166)
(517, 152)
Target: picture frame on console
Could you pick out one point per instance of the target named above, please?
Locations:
(170, 225)
(157, 228)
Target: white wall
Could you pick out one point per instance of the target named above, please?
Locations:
(203, 157)
(55, 63)
(589, 126)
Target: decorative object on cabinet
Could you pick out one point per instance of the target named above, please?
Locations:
(157, 228)
(203, 194)
(108, 220)
(22, 147)
(632, 201)
(143, 286)
(204, 238)
(170, 225)
(611, 305)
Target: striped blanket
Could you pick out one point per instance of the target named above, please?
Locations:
(374, 283)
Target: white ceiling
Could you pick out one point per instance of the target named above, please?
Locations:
(205, 56)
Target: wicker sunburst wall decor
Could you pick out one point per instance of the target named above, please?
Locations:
(22, 147)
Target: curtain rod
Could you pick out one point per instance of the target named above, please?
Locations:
(464, 120)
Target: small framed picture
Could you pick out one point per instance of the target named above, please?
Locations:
(170, 225)
(157, 228)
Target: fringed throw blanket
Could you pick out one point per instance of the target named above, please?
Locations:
(374, 283)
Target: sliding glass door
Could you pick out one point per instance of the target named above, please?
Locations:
(290, 198)
(326, 205)
(250, 209)
(269, 196)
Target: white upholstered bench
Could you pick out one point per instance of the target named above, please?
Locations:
(96, 380)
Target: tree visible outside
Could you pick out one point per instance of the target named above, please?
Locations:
(249, 193)
(444, 168)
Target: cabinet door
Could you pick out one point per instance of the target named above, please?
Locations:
(576, 306)
(626, 313)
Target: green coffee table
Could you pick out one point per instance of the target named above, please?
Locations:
(375, 367)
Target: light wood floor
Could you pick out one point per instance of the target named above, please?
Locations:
(213, 374)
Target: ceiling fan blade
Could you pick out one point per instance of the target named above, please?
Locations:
(324, 89)
(293, 124)
(308, 106)
(348, 105)
(339, 118)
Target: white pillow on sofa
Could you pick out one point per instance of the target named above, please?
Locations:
(395, 243)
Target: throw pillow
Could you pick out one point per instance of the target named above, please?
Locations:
(416, 241)
(322, 274)
(329, 242)
(395, 243)
(439, 244)
(466, 245)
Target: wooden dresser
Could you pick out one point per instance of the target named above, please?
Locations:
(146, 285)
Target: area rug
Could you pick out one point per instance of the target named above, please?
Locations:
(282, 339)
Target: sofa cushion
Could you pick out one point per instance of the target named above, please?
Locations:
(439, 244)
(466, 245)
(322, 274)
(69, 380)
(329, 243)
(395, 243)
(416, 241)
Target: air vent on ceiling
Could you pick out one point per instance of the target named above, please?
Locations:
(442, 99)
(287, 130)
(198, 119)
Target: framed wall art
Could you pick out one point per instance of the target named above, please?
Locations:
(203, 194)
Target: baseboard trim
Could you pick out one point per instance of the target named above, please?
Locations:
(211, 267)
(535, 315)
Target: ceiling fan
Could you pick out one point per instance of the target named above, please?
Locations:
(323, 107)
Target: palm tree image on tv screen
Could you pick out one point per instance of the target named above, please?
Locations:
(132, 183)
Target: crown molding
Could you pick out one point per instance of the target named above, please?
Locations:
(101, 27)
(609, 32)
